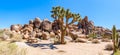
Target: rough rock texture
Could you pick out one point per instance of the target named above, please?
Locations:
(37, 22)
(46, 25)
(109, 47)
(45, 35)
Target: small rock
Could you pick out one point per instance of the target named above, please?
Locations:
(95, 41)
(105, 40)
(109, 47)
(81, 40)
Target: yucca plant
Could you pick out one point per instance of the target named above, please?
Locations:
(115, 39)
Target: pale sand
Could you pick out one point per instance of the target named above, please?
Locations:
(69, 49)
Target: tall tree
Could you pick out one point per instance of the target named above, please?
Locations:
(60, 14)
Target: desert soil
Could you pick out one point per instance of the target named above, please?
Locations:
(45, 48)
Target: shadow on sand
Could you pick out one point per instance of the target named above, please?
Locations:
(50, 45)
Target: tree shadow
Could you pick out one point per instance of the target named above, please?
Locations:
(50, 45)
(108, 49)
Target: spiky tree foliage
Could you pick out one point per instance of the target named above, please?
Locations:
(60, 14)
(115, 38)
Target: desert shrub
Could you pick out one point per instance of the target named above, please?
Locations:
(6, 34)
(109, 36)
(109, 47)
(56, 40)
(117, 53)
(92, 35)
(7, 48)
(3, 35)
(16, 37)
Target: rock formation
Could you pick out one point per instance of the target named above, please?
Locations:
(46, 29)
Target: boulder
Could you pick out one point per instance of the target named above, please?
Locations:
(32, 40)
(16, 28)
(33, 34)
(73, 35)
(37, 22)
(109, 47)
(95, 41)
(46, 25)
(26, 27)
(81, 35)
(38, 35)
(25, 36)
(30, 21)
(105, 40)
(52, 34)
(45, 35)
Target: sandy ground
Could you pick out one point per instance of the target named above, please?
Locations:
(45, 48)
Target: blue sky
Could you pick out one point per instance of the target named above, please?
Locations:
(104, 13)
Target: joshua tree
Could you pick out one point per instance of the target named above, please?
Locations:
(60, 14)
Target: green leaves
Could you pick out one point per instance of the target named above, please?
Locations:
(68, 14)
(60, 13)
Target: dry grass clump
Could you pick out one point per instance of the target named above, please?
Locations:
(4, 35)
(8, 35)
(92, 35)
(7, 48)
(95, 41)
(109, 47)
(16, 37)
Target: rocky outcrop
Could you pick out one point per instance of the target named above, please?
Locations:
(45, 29)
(16, 28)
(85, 25)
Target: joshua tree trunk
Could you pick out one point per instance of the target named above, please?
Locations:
(62, 37)
(62, 33)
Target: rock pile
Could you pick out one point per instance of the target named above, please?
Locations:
(85, 25)
(35, 29)
(45, 29)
